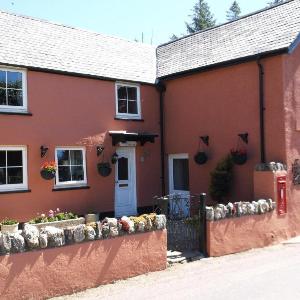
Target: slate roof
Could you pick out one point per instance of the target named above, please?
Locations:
(262, 32)
(37, 43)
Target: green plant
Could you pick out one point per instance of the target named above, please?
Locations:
(7, 221)
(221, 180)
(53, 216)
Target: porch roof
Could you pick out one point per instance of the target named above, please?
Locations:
(124, 136)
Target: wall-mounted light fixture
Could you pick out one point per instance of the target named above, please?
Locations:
(100, 149)
(205, 139)
(114, 158)
(244, 137)
(44, 150)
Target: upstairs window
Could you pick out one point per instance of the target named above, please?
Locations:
(128, 101)
(71, 166)
(13, 168)
(12, 90)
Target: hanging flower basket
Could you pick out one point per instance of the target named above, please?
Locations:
(239, 156)
(48, 170)
(200, 158)
(104, 169)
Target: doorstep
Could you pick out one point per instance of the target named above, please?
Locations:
(175, 257)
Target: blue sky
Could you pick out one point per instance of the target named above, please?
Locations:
(157, 19)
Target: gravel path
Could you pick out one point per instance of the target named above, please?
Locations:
(269, 273)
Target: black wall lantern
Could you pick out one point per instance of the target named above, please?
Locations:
(114, 158)
(44, 150)
(100, 149)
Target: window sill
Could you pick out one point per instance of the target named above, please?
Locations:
(20, 113)
(69, 188)
(15, 191)
(129, 119)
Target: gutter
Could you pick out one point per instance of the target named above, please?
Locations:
(262, 109)
(161, 88)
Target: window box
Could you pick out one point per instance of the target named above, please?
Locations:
(10, 228)
(128, 103)
(13, 90)
(59, 224)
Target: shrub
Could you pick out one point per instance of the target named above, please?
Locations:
(221, 180)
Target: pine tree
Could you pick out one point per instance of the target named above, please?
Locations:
(275, 2)
(234, 11)
(201, 17)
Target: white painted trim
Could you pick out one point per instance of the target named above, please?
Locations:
(133, 154)
(20, 186)
(128, 116)
(10, 108)
(71, 183)
(170, 163)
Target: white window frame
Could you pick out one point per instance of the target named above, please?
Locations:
(11, 108)
(19, 186)
(138, 100)
(71, 183)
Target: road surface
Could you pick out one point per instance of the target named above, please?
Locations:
(269, 273)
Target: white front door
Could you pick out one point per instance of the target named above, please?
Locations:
(179, 189)
(125, 182)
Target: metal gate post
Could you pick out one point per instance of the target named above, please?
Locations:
(202, 220)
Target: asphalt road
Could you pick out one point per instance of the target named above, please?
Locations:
(269, 273)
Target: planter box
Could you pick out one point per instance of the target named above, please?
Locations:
(60, 224)
(9, 228)
(91, 218)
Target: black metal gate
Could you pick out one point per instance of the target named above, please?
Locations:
(186, 221)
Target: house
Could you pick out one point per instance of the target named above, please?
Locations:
(76, 92)
(73, 91)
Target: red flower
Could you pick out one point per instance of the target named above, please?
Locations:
(49, 166)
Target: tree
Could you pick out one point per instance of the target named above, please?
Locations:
(173, 37)
(201, 17)
(234, 12)
(275, 2)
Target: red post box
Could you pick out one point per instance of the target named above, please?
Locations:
(281, 195)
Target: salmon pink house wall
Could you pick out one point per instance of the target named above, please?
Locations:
(221, 104)
(74, 111)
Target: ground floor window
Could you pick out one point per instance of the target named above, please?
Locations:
(71, 166)
(13, 168)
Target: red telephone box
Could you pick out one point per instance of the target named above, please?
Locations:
(281, 195)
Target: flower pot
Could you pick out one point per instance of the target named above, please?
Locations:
(9, 228)
(239, 158)
(91, 218)
(104, 169)
(200, 158)
(48, 175)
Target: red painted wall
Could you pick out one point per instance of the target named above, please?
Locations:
(71, 111)
(291, 65)
(223, 103)
(59, 271)
(240, 234)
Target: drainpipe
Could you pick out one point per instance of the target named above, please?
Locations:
(160, 86)
(261, 111)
